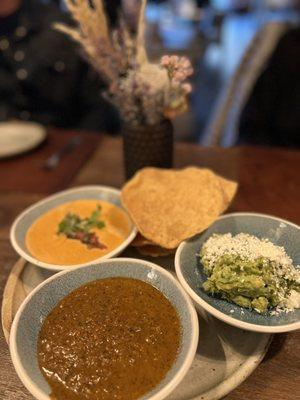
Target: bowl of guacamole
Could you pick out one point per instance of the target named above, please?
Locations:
(250, 272)
(244, 270)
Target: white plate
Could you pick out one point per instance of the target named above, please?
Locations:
(19, 137)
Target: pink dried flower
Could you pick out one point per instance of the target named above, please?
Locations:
(174, 60)
(178, 68)
(185, 67)
(185, 63)
(179, 76)
(165, 60)
(187, 88)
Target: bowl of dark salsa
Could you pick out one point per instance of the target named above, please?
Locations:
(122, 329)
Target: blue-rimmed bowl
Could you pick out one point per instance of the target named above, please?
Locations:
(190, 271)
(40, 302)
(28, 216)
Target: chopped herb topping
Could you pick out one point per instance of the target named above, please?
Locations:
(74, 227)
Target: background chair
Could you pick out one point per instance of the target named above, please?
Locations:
(222, 128)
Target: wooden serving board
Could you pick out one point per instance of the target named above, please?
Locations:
(226, 356)
(23, 278)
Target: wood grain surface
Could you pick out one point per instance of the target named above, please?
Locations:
(8, 311)
(39, 179)
(269, 182)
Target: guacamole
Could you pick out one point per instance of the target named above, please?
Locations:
(250, 272)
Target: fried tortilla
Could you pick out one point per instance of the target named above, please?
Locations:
(169, 206)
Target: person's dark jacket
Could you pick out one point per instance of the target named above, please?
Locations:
(272, 114)
(43, 76)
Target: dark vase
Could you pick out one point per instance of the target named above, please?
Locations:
(147, 146)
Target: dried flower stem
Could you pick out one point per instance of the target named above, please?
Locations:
(144, 93)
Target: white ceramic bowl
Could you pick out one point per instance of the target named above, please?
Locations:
(40, 302)
(27, 217)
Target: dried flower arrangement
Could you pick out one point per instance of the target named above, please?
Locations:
(144, 93)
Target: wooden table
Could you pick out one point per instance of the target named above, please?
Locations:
(269, 183)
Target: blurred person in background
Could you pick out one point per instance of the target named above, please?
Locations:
(43, 77)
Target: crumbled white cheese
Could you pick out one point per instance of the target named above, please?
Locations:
(246, 246)
(292, 301)
(251, 248)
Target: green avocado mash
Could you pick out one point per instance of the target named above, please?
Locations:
(255, 283)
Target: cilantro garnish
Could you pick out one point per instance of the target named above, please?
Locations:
(74, 227)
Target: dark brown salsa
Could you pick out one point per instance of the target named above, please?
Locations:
(110, 339)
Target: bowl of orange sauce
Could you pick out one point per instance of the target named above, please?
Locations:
(73, 228)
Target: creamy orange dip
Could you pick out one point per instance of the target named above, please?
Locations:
(46, 245)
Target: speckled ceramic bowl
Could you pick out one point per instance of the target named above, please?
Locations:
(35, 308)
(26, 219)
(190, 271)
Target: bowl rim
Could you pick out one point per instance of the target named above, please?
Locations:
(28, 257)
(219, 314)
(165, 390)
